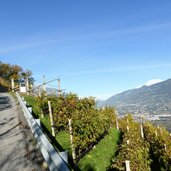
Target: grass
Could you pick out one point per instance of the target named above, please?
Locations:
(100, 157)
(31, 101)
(63, 139)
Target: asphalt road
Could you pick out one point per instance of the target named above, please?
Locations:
(17, 149)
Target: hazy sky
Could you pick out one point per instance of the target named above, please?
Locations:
(96, 47)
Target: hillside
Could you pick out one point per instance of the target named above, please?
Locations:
(154, 99)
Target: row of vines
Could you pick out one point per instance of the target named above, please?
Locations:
(89, 125)
(160, 147)
(132, 148)
(146, 149)
(145, 146)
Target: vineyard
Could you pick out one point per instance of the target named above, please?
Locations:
(97, 140)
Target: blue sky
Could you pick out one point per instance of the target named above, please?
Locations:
(97, 47)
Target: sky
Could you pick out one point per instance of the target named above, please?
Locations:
(96, 47)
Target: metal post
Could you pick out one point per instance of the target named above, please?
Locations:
(30, 109)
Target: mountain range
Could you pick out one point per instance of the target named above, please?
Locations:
(148, 99)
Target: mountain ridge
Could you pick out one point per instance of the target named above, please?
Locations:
(153, 99)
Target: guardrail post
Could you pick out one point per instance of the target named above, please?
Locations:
(64, 155)
(30, 109)
(38, 122)
(25, 102)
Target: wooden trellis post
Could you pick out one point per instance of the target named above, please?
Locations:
(127, 141)
(27, 85)
(42, 114)
(127, 164)
(142, 132)
(12, 84)
(51, 119)
(59, 87)
(156, 133)
(71, 139)
(127, 127)
(117, 125)
(44, 84)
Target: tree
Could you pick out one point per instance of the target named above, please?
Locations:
(27, 75)
(8, 71)
(14, 72)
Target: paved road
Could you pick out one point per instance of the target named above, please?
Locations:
(17, 149)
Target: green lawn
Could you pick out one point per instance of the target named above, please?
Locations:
(100, 157)
(63, 139)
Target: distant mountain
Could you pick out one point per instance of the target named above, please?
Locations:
(49, 91)
(154, 98)
(99, 102)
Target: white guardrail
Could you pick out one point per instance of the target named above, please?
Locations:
(52, 157)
